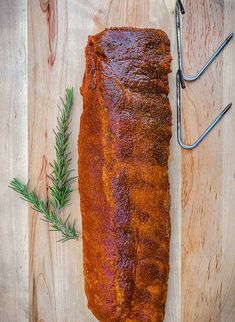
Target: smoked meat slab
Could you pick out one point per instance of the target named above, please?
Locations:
(123, 145)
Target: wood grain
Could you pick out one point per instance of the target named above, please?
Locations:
(207, 172)
(42, 280)
(228, 170)
(14, 162)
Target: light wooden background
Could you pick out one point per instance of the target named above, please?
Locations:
(41, 52)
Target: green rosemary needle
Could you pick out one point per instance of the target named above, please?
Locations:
(57, 223)
(62, 180)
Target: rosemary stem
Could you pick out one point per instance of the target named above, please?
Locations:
(57, 223)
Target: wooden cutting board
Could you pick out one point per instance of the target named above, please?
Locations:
(42, 52)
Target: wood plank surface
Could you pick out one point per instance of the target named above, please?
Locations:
(14, 161)
(42, 280)
(57, 38)
(208, 260)
(228, 177)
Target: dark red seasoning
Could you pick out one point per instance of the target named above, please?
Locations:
(123, 148)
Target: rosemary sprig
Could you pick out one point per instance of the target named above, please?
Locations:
(61, 188)
(57, 224)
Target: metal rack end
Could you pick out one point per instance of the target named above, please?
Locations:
(182, 10)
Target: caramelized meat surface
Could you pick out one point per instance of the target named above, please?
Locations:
(123, 148)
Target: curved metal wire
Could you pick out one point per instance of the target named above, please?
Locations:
(183, 77)
(179, 119)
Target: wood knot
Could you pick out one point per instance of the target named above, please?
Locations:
(49, 7)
